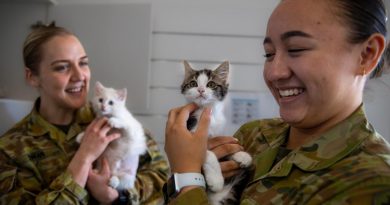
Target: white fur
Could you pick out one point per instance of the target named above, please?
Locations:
(123, 153)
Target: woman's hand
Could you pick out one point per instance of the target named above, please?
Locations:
(98, 184)
(186, 151)
(222, 147)
(96, 138)
(94, 142)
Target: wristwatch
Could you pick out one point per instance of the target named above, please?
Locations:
(179, 180)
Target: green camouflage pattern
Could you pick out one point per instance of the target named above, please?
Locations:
(34, 155)
(349, 164)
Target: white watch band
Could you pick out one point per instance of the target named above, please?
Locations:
(188, 179)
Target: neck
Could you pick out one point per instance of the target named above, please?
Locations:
(55, 115)
(299, 136)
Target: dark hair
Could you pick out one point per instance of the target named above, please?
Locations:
(32, 47)
(364, 18)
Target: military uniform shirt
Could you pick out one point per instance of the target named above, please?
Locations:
(349, 164)
(34, 156)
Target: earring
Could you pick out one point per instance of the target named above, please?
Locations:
(364, 71)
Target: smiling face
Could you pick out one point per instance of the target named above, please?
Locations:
(310, 68)
(63, 77)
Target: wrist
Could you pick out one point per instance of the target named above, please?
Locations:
(182, 182)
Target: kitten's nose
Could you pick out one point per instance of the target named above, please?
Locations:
(200, 90)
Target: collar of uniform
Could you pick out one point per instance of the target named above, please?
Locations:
(38, 126)
(342, 139)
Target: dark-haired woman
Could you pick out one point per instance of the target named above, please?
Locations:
(318, 56)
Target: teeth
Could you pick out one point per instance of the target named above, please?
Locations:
(290, 92)
(74, 90)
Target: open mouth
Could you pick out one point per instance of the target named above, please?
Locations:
(74, 90)
(290, 92)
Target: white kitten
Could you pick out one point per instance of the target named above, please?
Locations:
(123, 153)
(208, 88)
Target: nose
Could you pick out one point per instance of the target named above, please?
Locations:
(201, 90)
(78, 73)
(277, 69)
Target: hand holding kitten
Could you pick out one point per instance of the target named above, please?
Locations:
(185, 150)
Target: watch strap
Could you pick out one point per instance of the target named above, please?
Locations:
(188, 179)
(179, 180)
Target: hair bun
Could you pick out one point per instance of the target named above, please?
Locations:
(40, 24)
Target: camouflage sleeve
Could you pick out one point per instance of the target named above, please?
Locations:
(195, 196)
(152, 174)
(19, 186)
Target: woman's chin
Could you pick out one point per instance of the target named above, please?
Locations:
(291, 116)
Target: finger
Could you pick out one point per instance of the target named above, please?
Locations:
(226, 149)
(184, 114)
(113, 136)
(204, 122)
(229, 168)
(172, 116)
(221, 140)
(105, 169)
(230, 173)
(102, 121)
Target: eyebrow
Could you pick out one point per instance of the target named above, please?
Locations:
(287, 35)
(290, 34)
(65, 61)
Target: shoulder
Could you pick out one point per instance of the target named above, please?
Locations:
(15, 133)
(264, 124)
(360, 179)
(259, 134)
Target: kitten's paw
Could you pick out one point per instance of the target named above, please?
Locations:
(127, 181)
(215, 182)
(79, 137)
(243, 158)
(115, 122)
(114, 182)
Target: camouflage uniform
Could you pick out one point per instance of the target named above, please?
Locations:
(349, 164)
(34, 156)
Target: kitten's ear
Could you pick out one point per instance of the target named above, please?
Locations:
(98, 87)
(122, 94)
(223, 71)
(187, 69)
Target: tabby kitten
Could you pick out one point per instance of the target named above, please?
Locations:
(123, 153)
(208, 88)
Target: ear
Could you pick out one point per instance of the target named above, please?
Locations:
(98, 88)
(372, 51)
(122, 93)
(187, 69)
(223, 71)
(31, 78)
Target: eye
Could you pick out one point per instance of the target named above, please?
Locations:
(269, 56)
(100, 100)
(193, 84)
(110, 102)
(83, 63)
(61, 67)
(296, 52)
(211, 85)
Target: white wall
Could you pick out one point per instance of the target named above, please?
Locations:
(207, 32)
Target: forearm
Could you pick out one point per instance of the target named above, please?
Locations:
(62, 190)
(79, 168)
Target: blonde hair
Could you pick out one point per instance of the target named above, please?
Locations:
(32, 47)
